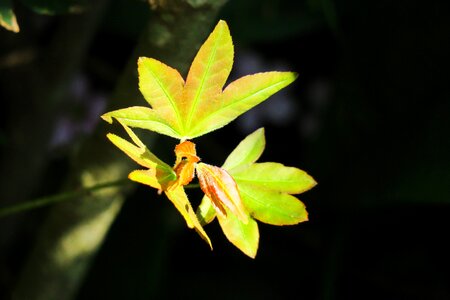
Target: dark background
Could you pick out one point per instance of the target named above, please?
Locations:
(368, 118)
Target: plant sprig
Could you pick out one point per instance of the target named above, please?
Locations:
(241, 191)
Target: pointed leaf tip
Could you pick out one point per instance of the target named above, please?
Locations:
(179, 198)
(107, 117)
(247, 152)
(207, 75)
(162, 88)
(240, 96)
(245, 236)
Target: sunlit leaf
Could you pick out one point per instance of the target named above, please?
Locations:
(140, 153)
(181, 202)
(176, 195)
(240, 96)
(244, 236)
(205, 211)
(7, 17)
(156, 178)
(247, 152)
(272, 207)
(142, 117)
(162, 87)
(207, 75)
(221, 189)
(276, 176)
(186, 110)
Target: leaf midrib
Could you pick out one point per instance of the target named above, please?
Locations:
(151, 121)
(171, 101)
(267, 205)
(202, 83)
(213, 114)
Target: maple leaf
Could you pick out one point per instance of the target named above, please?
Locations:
(266, 191)
(186, 110)
(241, 191)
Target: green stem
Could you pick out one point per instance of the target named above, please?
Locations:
(192, 186)
(47, 200)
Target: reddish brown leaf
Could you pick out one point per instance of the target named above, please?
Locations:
(222, 190)
(185, 163)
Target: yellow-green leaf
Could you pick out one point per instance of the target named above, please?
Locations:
(272, 207)
(181, 202)
(207, 75)
(205, 211)
(142, 117)
(240, 96)
(162, 87)
(186, 110)
(244, 236)
(176, 195)
(139, 153)
(247, 152)
(7, 17)
(221, 189)
(275, 176)
(265, 188)
(155, 178)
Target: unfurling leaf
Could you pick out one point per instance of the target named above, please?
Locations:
(186, 158)
(143, 156)
(185, 110)
(221, 189)
(161, 176)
